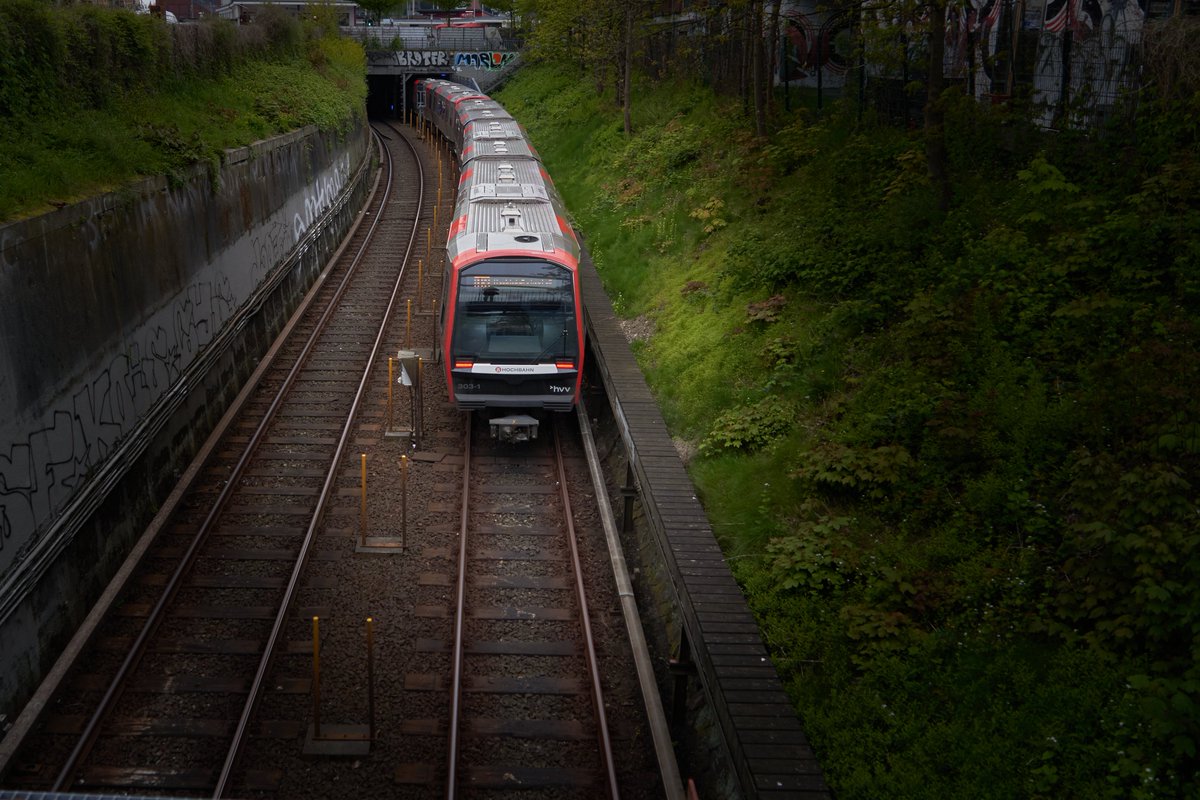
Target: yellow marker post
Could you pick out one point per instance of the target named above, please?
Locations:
(362, 515)
(389, 404)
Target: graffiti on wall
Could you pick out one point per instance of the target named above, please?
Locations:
(810, 47)
(319, 197)
(1092, 73)
(269, 245)
(488, 59)
(975, 47)
(990, 47)
(422, 58)
(42, 471)
(42, 468)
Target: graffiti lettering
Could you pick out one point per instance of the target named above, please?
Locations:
(268, 245)
(45, 470)
(488, 59)
(422, 58)
(321, 195)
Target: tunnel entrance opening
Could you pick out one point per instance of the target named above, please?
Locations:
(385, 96)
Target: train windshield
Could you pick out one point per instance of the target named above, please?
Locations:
(515, 311)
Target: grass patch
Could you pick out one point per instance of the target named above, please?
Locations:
(61, 150)
(951, 458)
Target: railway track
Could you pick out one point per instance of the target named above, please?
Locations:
(202, 681)
(165, 697)
(526, 706)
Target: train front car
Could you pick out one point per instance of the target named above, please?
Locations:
(512, 331)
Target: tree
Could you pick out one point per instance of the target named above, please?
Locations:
(759, 66)
(888, 28)
(935, 112)
(627, 78)
(378, 8)
(593, 35)
(447, 6)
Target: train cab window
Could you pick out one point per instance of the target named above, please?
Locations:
(515, 311)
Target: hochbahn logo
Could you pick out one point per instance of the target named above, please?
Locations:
(514, 369)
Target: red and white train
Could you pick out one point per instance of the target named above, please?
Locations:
(510, 330)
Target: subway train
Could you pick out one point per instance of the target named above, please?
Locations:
(510, 327)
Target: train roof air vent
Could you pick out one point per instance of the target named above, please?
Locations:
(525, 238)
(512, 218)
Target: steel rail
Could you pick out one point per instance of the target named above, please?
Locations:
(38, 703)
(133, 657)
(459, 621)
(589, 642)
(597, 695)
(660, 731)
(240, 733)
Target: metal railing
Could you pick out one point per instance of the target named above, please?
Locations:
(424, 37)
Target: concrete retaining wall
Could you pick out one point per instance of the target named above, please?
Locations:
(128, 322)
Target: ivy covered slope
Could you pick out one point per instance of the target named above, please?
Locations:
(92, 97)
(954, 459)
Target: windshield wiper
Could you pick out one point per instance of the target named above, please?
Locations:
(562, 346)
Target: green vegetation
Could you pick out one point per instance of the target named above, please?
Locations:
(953, 457)
(952, 454)
(92, 97)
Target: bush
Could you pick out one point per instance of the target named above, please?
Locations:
(955, 455)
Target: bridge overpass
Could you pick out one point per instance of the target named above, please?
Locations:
(399, 54)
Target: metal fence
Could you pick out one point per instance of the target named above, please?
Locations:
(1070, 63)
(425, 37)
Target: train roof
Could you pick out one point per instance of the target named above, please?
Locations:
(503, 176)
(498, 148)
(479, 101)
(474, 110)
(455, 92)
(507, 205)
(493, 129)
(472, 248)
(509, 208)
